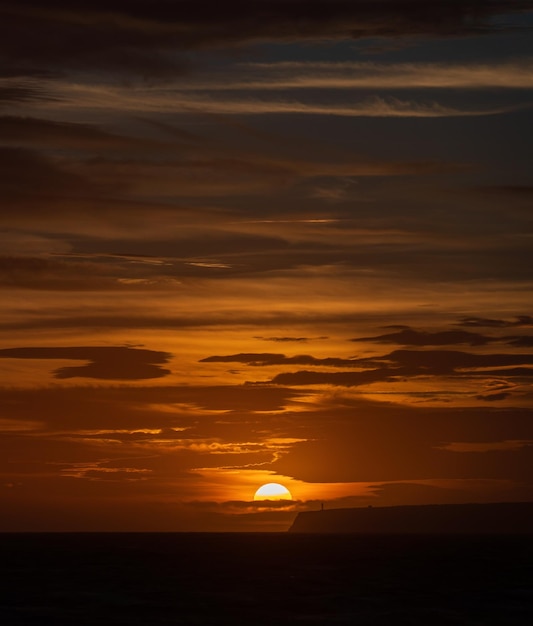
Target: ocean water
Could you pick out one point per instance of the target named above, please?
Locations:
(258, 579)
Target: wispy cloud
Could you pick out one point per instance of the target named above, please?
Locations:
(366, 75)
(173, 99)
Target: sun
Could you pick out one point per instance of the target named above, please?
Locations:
(272, 491)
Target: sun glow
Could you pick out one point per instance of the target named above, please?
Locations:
(272, 491)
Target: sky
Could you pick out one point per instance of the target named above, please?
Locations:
(264, 241)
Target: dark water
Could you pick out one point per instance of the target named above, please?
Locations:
(278, 579)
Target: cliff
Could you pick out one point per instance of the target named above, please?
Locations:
(505, 517)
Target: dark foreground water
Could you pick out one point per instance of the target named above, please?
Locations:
(256, 579)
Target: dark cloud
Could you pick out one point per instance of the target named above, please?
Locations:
(398, 362)
(263, 504)
(482, 322)
(267, 358)
(107, 363)
(140, 36)
(493, 397)
(408, 363)
(343, 379)
(410, 337)
(523, 341)
(450, 361)
(285, 339)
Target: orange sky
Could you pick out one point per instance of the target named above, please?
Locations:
(283, 243)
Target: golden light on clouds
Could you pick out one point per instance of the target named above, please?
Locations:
(289, 248)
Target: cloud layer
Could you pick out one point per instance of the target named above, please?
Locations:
(252, 242)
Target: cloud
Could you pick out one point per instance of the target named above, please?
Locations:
(482, 322)
(161, 434)
(236, 174)
(410, 337)
(267, 358)
(172, 98)
(493, 397)
(143, 38)
(285, 339)
(343, 379)
(251, 202)
(105, 363)
(110, 437)
(292, 75)
(108, 190)
(263, 504)
(448, 361)
(202, 412)
(408, 363)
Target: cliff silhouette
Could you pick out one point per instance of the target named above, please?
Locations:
(503, 517)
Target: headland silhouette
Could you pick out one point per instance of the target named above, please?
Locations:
(502, 517)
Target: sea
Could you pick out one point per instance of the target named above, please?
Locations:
(152, 579)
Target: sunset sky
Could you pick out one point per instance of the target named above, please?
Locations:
(267, 241)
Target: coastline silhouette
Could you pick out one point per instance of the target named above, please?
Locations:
(503, 517)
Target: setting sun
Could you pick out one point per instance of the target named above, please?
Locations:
(272, 491)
